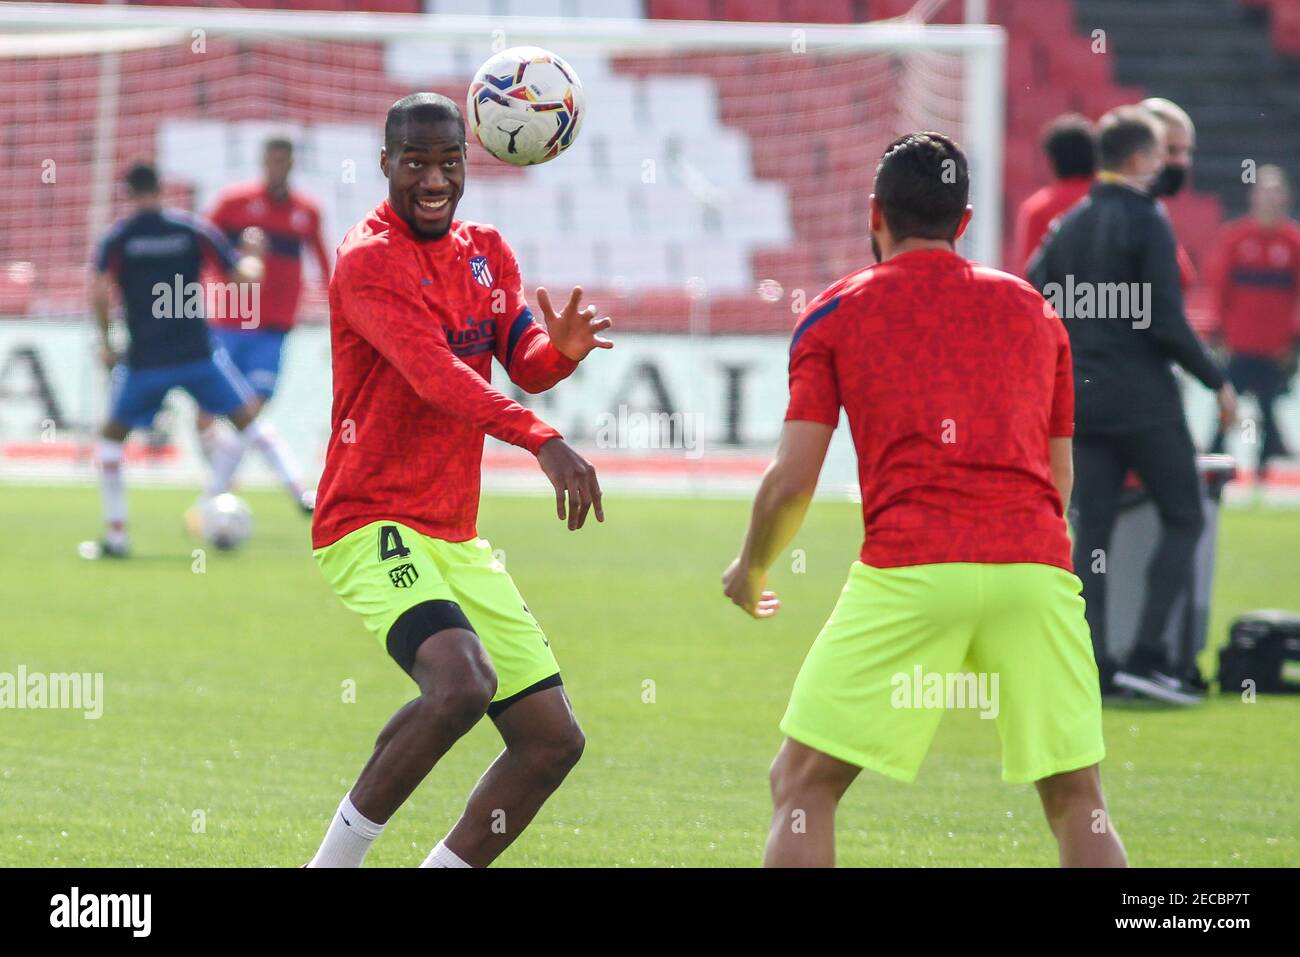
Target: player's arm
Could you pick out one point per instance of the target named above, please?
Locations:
(101, 297)
(101, 301)
(389, 313)
(788, 484)
(319, 250)
(1219, 279)
(779, 508)
(1022, 251)
(1061, 448)
(240, 265)
(1038, 270)
(1060, 421)
(1159, 273)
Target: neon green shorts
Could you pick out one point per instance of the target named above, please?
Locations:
(385, 568)
(905, 644)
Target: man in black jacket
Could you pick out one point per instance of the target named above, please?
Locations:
(1110, 268)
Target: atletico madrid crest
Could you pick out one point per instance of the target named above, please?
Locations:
(478, 266)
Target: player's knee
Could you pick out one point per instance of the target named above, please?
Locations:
(553, 758)
(457, 707)
(788, 777)
(568, 750)
(461, 700)
(1065, 794)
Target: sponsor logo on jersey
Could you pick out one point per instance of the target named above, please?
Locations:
(478, 336)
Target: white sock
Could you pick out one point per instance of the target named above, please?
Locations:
(277, 455)
(220, 438)
(348, 838)
(224, 459)
(443, 856)
(112, 490)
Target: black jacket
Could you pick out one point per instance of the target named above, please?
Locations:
(1115, 243)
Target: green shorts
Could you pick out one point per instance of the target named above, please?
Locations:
(905, 644)
(385, 568)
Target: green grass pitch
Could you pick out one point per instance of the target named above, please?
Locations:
(226, 738)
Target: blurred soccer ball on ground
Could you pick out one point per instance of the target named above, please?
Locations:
(224, 521)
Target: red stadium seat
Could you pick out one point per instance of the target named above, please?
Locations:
(752, 11)
(818, 11)
(393, 6)
(680, 9)
(1095, 101)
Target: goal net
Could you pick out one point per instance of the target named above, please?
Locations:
(719, 181)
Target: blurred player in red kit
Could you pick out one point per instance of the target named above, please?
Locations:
(1071, 148)
(290, 222)
(1255, 278)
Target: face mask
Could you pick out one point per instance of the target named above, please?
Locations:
(875, 249)
(1168, 181)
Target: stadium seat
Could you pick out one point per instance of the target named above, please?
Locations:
(430, 61)
(680, 9)
(757, 213)
(752, 10)
(724, 267)
(686, 104)
(523, 210)
(596, 212)
(616, 9)
(637, 263)
(818, 11)
(560, 266)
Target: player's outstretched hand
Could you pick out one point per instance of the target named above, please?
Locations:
(574, 479)
(745, 588)
(574, 332)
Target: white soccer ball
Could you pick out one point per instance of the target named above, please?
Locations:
(225, 521)
(525, 105)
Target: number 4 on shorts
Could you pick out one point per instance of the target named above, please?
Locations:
(390, 543)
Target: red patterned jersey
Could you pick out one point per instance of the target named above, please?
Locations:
(1036, 213)
(414, 326)
(1255, 278)
(290, 224)
(954, 377)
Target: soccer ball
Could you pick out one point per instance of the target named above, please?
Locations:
(525, 105)
(225, 521)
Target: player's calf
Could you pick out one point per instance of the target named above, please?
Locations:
(543, 744)
(547, 760)
(457, 684)
(1076, 812)
(806, 789)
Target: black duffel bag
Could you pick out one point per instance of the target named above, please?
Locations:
(1264, 648)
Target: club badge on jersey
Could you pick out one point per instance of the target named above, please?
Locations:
(478, 267)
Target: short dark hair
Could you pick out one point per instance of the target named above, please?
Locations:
(420, 108)
(278, 143)
(142, 179)
(922, 186)
(1123, 131)
(1070, 145)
